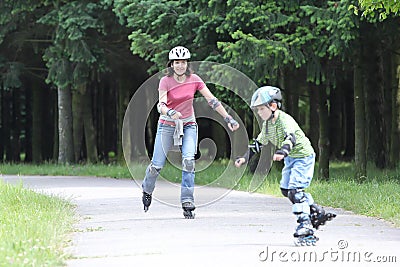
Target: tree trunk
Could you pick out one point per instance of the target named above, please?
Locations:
(374, 108)
(123, 101)
(77, 111)
(2, 143)
(291, 104)
(15, 113)
(314, 119)
(395, 130)
(56, 131)
(323, 144)
(348, 117)
(88, 122)
(27, 125)
(335, 122)
(359, 121)
(65, 130)
(37, 114)
(6, 124)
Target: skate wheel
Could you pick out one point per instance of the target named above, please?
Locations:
(188, 215)
(297, 243)
(146, 209)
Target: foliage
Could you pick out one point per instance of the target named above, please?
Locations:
(383, 8)
(277, 35)
(258, 38)
(34, 228)
(157, 26)
(75, 52)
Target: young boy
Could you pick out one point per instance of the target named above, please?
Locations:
(295, 149)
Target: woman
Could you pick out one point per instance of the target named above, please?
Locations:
(177, 125)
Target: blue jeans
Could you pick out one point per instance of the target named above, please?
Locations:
(163, 143)
(297, 174)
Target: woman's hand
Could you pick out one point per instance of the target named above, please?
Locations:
(233, 125)
(173, 114)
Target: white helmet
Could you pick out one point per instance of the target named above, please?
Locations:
(178, 53)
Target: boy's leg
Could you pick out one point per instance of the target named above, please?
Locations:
(301, 172)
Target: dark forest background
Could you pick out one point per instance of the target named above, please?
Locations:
(68, 70)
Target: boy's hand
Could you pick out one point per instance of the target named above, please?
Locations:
(278, 157)
(239, 162)
(280, 154)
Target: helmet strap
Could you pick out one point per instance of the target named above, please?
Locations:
(272, 113)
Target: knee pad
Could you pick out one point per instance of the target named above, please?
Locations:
(285, 192)
(297, 196)
(188, 164)
(300, 204)
(154, 170)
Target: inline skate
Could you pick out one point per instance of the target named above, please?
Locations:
(146, 199)
(304, 234)
(188, 209)
(319, 216)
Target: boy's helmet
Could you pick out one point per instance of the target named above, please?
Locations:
(266, 95)
(179, 53)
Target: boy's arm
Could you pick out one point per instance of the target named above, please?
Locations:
(287, 145)
(253, 148)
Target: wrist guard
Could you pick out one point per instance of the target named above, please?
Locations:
(228, 119)
(214, 103)
(171, 112)
(285, 150)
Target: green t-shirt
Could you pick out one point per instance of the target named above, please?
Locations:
(277, 132)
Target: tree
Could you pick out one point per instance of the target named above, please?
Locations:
(384, 8)
(72, 57)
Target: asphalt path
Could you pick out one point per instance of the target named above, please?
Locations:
(238, 229)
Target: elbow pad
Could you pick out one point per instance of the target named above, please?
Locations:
(288, 144)
(290, 138)
(214, 103)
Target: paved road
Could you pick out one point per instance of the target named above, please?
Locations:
(241, 229)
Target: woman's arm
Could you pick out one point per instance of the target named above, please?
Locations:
(216, 105)
(163, 108)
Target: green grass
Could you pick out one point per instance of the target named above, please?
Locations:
(34, 228)
(51, 169)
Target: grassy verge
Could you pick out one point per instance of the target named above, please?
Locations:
(34, 228)
(104, 170)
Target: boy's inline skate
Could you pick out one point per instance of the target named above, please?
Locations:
(319, 216)
(304, 234)
(146, 199)
(188, 209)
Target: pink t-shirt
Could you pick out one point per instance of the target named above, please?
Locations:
(180, 95)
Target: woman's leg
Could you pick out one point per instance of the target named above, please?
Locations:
(162, 145)
(189, 148)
